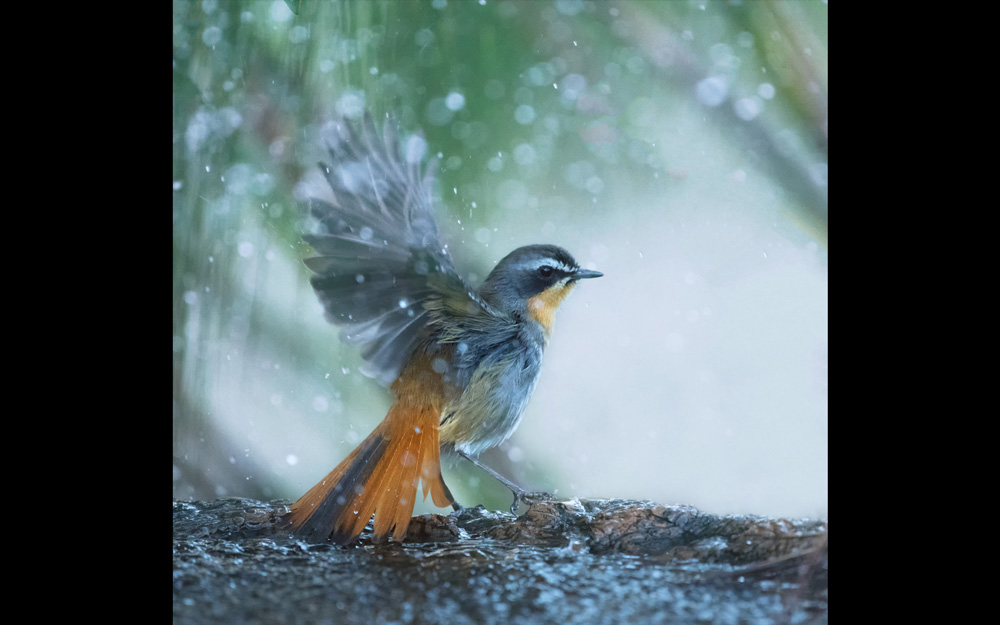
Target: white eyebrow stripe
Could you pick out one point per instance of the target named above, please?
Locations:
(552, 262)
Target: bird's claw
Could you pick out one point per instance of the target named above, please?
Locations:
(528, 497)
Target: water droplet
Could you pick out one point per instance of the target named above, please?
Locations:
(524, 114)
(454, 101)
(711, 91)
(748, 108)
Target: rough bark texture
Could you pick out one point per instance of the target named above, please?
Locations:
(574, 561)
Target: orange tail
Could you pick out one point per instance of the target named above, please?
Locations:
(379, 477)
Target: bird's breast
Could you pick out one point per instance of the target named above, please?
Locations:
(490, 406)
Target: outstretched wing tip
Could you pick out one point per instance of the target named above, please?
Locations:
(375, 242)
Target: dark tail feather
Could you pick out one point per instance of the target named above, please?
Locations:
(379, 477)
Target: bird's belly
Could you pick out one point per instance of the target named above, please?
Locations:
(490, 408)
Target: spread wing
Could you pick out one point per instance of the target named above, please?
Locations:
(379, 255)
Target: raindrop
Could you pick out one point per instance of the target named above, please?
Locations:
(298, 34)
(524, 114)
(524, 154)
(423, 38)
(711, 91)
(212, 35)
(573, 85)
(416, 148)
(748, 108)
(455, 101)
(515, 454)
(351, 104)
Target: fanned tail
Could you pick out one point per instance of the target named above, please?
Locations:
(379, 477)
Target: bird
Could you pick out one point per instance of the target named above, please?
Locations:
(461, 361)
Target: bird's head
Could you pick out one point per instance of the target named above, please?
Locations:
(534, 279)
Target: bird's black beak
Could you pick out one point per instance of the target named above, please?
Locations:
(586, 273)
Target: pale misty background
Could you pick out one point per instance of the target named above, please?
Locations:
(678, 147)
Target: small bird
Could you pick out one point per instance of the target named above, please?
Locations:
(462, 362)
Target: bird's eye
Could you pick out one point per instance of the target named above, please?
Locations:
(545, 271)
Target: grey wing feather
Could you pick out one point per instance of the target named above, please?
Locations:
(379, 255)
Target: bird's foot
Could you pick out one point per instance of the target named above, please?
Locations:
(528, 497)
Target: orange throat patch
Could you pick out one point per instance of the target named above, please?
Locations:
(542, 307)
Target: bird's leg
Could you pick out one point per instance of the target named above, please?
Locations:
(519, 493)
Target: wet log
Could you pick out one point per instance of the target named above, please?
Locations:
(578, 560)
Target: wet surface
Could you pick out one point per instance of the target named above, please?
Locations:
(230, 567)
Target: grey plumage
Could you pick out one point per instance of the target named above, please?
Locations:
(378, 246)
